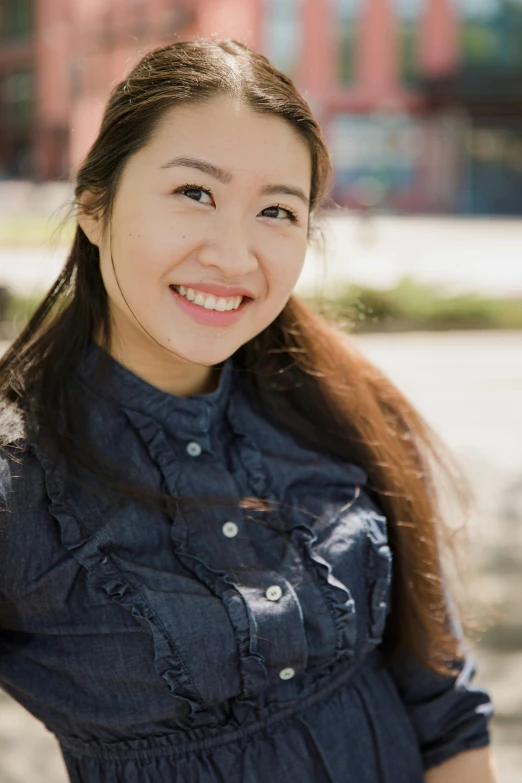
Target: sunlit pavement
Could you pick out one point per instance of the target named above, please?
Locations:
(476, 255)
(482, 256)
(469, 387)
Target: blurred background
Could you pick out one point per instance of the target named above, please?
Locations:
(421, 252)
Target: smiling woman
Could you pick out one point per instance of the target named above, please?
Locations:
(225, 236)
(222, 556)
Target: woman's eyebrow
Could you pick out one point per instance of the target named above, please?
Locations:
(226, 177)
(202, 165)
(288, 190)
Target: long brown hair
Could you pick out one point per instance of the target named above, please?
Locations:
(327, 395)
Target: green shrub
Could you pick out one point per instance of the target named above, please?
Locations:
(411, 305)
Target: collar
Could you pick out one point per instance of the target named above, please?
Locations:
(183, 416)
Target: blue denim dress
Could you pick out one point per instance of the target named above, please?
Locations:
(222, 643)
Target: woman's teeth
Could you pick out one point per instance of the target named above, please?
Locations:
(208, 301)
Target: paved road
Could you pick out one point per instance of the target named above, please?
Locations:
(478, 255)
(469, 386)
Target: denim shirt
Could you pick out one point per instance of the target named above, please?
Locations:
(221, 643)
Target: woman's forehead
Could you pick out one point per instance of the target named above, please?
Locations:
(234, 138)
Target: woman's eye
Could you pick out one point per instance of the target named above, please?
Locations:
(279, 213)
(196, 193)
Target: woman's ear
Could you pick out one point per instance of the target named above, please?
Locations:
(89, 217)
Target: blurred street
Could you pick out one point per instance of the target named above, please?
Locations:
(480, 256)
(468, 386)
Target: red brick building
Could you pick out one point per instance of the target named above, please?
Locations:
(420, 102)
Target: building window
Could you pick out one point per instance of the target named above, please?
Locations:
(282, 34)
(375, 157)
(346, 15)
(18, 98)
(16, 19)
(17, 112)
(491, 34)
(493, 173)
(408, 13)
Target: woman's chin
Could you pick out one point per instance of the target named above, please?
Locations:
(205, 355)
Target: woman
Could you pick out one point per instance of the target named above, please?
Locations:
(206, 486)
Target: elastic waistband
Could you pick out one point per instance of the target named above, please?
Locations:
(176, 743)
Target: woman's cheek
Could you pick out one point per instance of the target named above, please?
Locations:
(148, 261)
(285, 272)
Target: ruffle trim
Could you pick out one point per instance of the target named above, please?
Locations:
(337, 596)
(254, 675)
(87, 550)
(251, 458)
(253, 672)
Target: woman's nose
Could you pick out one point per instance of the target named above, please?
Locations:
(230, 251)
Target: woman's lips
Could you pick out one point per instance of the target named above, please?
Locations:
(210, 317)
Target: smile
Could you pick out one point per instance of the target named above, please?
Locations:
(208, 301)
(210, 310)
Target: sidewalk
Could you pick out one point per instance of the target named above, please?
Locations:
(472, 255)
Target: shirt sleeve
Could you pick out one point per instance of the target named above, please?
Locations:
(449, 714)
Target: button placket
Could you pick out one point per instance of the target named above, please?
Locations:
(279, 629)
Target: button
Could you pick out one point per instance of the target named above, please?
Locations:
(194, 449)
(287, 674)
(274, 593)
(230, 529)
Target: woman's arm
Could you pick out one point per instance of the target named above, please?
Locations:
(471, 766)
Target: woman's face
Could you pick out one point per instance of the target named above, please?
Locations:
(211, 213)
